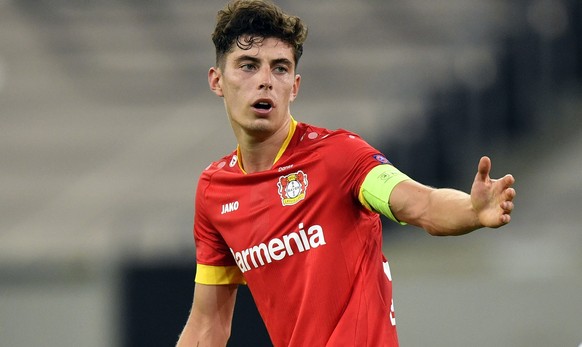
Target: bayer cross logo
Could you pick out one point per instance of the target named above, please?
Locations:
(292, 188)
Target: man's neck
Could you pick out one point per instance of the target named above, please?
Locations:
(258, 158)
(260, 155)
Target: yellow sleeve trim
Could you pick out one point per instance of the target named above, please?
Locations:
(377, 187)
(213, 275)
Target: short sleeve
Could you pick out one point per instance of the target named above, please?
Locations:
(215, 263)
(352, 159)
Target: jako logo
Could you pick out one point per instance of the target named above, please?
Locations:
(230, 207)
(279, 248)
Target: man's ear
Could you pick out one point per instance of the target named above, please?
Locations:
(215, 81)
(295, 89)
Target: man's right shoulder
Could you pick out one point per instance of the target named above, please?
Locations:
(228, 162)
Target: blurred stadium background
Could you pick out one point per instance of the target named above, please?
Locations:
(107, 121)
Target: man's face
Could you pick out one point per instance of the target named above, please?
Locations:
(258, 86)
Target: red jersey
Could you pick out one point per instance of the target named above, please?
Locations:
(309, 251)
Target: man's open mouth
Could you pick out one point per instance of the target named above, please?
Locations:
(263, 105)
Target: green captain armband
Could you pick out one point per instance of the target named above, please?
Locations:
(377, 187)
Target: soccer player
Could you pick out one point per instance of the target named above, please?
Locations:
(293, 212)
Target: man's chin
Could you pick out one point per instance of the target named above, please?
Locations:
(261, 128)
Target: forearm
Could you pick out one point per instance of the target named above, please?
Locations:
(200, 332)
(194, 336)
(449, 212)
(209, 322)
(190, 337)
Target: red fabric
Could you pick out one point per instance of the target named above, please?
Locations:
(309, 251)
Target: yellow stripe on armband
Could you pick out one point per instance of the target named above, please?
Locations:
(377, 187)
(212, 275)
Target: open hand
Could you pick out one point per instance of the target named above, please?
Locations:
(492, 199)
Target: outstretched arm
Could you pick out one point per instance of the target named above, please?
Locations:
(451, 212)
(210, 319)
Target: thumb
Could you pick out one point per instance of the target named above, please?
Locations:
(483, 169)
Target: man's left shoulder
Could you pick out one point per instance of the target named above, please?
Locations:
(311, 134)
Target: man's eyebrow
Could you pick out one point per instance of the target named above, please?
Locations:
(256, 60)
(247, 58)
(283, 61)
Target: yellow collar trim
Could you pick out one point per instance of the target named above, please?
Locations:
(292, 128)
(290, 134)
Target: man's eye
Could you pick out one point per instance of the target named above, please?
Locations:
(281, 69)
(247, 67)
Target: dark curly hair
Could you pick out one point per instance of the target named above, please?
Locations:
(248, 22)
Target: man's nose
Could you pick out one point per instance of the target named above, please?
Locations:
(265, 79)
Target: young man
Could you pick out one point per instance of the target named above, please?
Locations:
(294, 211)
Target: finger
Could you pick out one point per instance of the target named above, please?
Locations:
(507, 206)
(505, 218)
(484, 168)
(509, 194)
(507, 180)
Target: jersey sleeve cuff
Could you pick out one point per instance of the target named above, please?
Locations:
(215, 275)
